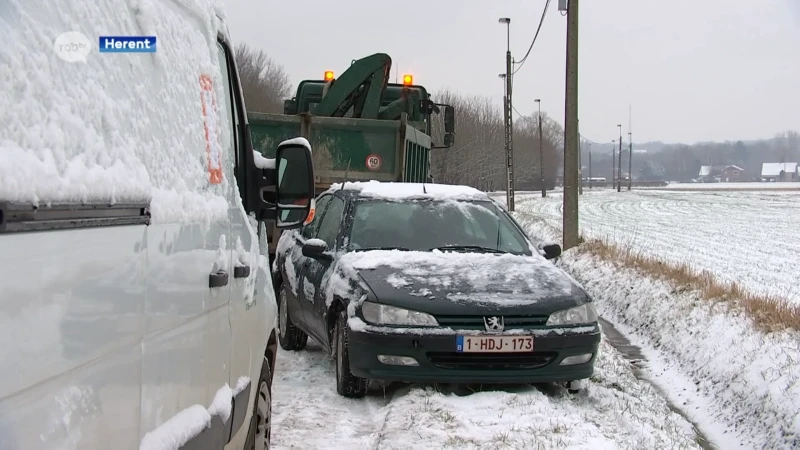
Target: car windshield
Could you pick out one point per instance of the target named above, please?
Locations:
(432, 224)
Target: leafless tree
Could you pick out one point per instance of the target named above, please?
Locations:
(478, 156)
(265, 83)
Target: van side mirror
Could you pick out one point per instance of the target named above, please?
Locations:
(294, 187)
(449, 119)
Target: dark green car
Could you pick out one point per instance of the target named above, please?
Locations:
(430, 283)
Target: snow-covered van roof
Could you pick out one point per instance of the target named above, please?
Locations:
(395, 190)
(121, 128)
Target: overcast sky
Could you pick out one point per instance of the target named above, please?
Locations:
(692, 70)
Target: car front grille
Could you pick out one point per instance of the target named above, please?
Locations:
(490, 361)
(476, 322)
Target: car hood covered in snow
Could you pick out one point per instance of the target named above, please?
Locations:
(456, 283)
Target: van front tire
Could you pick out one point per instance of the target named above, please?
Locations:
(259, 434)
(289, 336)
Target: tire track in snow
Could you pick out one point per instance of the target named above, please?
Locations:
(309, 413)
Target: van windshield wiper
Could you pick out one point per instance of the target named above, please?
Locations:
(477, 248)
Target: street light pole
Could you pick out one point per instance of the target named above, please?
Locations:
(613, 163)
(580, 165)
(508, 119)
(541, 150)
(590, 165)
(630, 160)
(619, 161)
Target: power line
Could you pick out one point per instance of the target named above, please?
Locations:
(541, 21)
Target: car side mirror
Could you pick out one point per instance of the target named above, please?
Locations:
(294, 188)
(552, 251)
(315, 248)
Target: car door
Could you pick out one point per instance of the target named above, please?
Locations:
(315, 269)
(301, 291)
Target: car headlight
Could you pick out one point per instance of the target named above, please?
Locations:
(378, 314)
(574, 316)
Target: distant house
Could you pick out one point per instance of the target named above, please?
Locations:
(720, 174)
(784, 171)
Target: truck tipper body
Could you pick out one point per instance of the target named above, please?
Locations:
(360, 126)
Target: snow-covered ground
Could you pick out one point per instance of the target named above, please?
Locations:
(738, 384)
(752, 238)
(616, 411)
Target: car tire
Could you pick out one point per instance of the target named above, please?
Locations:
(576, 386)
(347, 384)
(289, 336)
(259, 434)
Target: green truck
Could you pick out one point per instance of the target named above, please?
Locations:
(360, 126)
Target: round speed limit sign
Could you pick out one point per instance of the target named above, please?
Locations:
(374, 162)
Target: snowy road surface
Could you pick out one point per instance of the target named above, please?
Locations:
(616, 411)
(748, 237)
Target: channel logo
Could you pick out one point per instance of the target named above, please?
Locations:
(127, 44)
(72, 46)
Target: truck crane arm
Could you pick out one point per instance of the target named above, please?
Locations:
(361, 87)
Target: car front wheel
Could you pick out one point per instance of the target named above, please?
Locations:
(347, 384)
(289, 336)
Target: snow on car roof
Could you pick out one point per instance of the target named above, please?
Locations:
(395, 190)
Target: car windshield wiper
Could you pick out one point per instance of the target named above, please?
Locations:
(381, 248)
(469, 247)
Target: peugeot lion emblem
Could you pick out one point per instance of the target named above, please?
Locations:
(494, 323)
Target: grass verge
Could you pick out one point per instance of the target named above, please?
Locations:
(769, 313)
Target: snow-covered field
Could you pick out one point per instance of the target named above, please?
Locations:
(616, 411)
(752, 238)
(755, 186)
(739, 384)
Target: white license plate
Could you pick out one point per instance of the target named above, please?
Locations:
(494, 344)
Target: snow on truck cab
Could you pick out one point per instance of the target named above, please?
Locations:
(136, 303)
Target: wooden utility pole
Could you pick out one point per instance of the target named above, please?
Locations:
(571, 144)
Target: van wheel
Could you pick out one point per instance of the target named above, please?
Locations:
(289, 336)
(258, 436)
(347, 384)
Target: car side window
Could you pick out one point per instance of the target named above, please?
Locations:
(329, 227)
(309, 231)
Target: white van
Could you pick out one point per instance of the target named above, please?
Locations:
(136, 304)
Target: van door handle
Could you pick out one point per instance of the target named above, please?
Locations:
(241, 271)
(218, 279)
